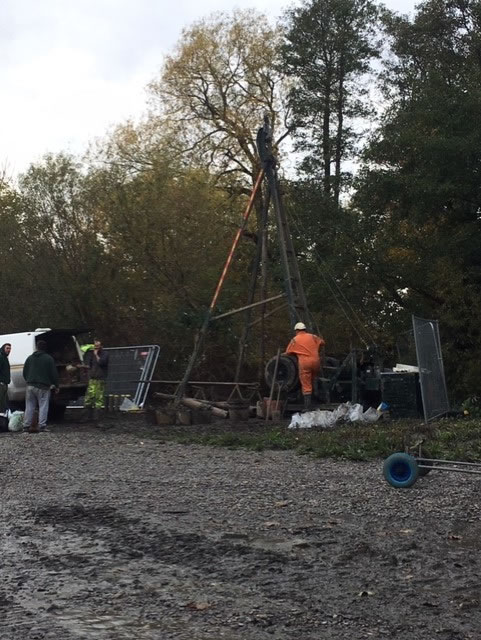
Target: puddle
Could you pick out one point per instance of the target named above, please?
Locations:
(278, 544)
(91, 626)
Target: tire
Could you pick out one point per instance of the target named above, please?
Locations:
(287, 372)
(401, 470)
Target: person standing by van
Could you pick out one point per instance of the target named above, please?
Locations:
(4, 375)
(41, 376)
(97, 361)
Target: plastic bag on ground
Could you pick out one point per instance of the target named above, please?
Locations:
(354, 414)
(323, 419)
(346, 412)
(15, 422)
(371, 415)
(128, 405)
(341, 411)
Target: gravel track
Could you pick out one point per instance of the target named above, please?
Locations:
(113, 533)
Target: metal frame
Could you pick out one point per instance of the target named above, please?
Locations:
(251, 389)
(402, 469)
(209, 313)
(454, 463)
(143, 385)
(294, 290)
(435, 332)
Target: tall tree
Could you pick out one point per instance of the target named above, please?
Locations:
(66, 256)
(168, 229)
(14, 262)
(328, 49)
(215, 89)
(419, 194)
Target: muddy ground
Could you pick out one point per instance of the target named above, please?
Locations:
(115, 533)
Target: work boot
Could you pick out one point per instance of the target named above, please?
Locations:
(307, 402)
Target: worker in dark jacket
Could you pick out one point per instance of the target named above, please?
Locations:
(4, 375)
(97, 361)
(41, 376)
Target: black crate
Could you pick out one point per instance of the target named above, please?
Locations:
(402, 392)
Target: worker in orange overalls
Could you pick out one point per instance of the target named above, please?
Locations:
(306, 347)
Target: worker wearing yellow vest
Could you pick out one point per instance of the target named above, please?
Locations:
(306, 347)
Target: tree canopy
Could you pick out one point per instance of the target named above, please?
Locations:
(375, 121)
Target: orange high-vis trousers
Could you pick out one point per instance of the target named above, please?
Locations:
(308, 370)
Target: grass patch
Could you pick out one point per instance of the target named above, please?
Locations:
(450, 439)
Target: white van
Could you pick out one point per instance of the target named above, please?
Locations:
(62, 345)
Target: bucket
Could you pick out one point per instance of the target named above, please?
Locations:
(164, 417)
(271, 406)
(184, 417)
(239, 409)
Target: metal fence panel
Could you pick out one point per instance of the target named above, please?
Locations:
(130, 371)
(431, 368)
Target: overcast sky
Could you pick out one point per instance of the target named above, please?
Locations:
(72, 69)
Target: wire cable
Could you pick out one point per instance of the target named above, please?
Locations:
(341, 293)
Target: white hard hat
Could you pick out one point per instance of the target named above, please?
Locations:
(300, 326)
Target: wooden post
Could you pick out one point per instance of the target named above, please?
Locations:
(271, 395)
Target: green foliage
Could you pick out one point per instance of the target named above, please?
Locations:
(216, 87)
(418, 196)
(447, 439)
(328, 47)
(472, 407)
(131, 241)
(133, 257)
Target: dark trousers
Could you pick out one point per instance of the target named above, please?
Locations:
(3, 397)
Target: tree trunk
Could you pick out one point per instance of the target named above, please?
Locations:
(339, 136)
(326, 138)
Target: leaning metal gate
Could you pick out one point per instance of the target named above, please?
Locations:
(431, 368)
(130, 371)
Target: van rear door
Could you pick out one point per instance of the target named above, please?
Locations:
(64, 348)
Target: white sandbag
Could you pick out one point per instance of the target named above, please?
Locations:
(371, 415)
(341, 411)
(355, 413)
(345, 412)
(323, 419)
(15, 422)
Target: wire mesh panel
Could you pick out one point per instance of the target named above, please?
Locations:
(431, 368)
(406, 348)
(130, 371)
